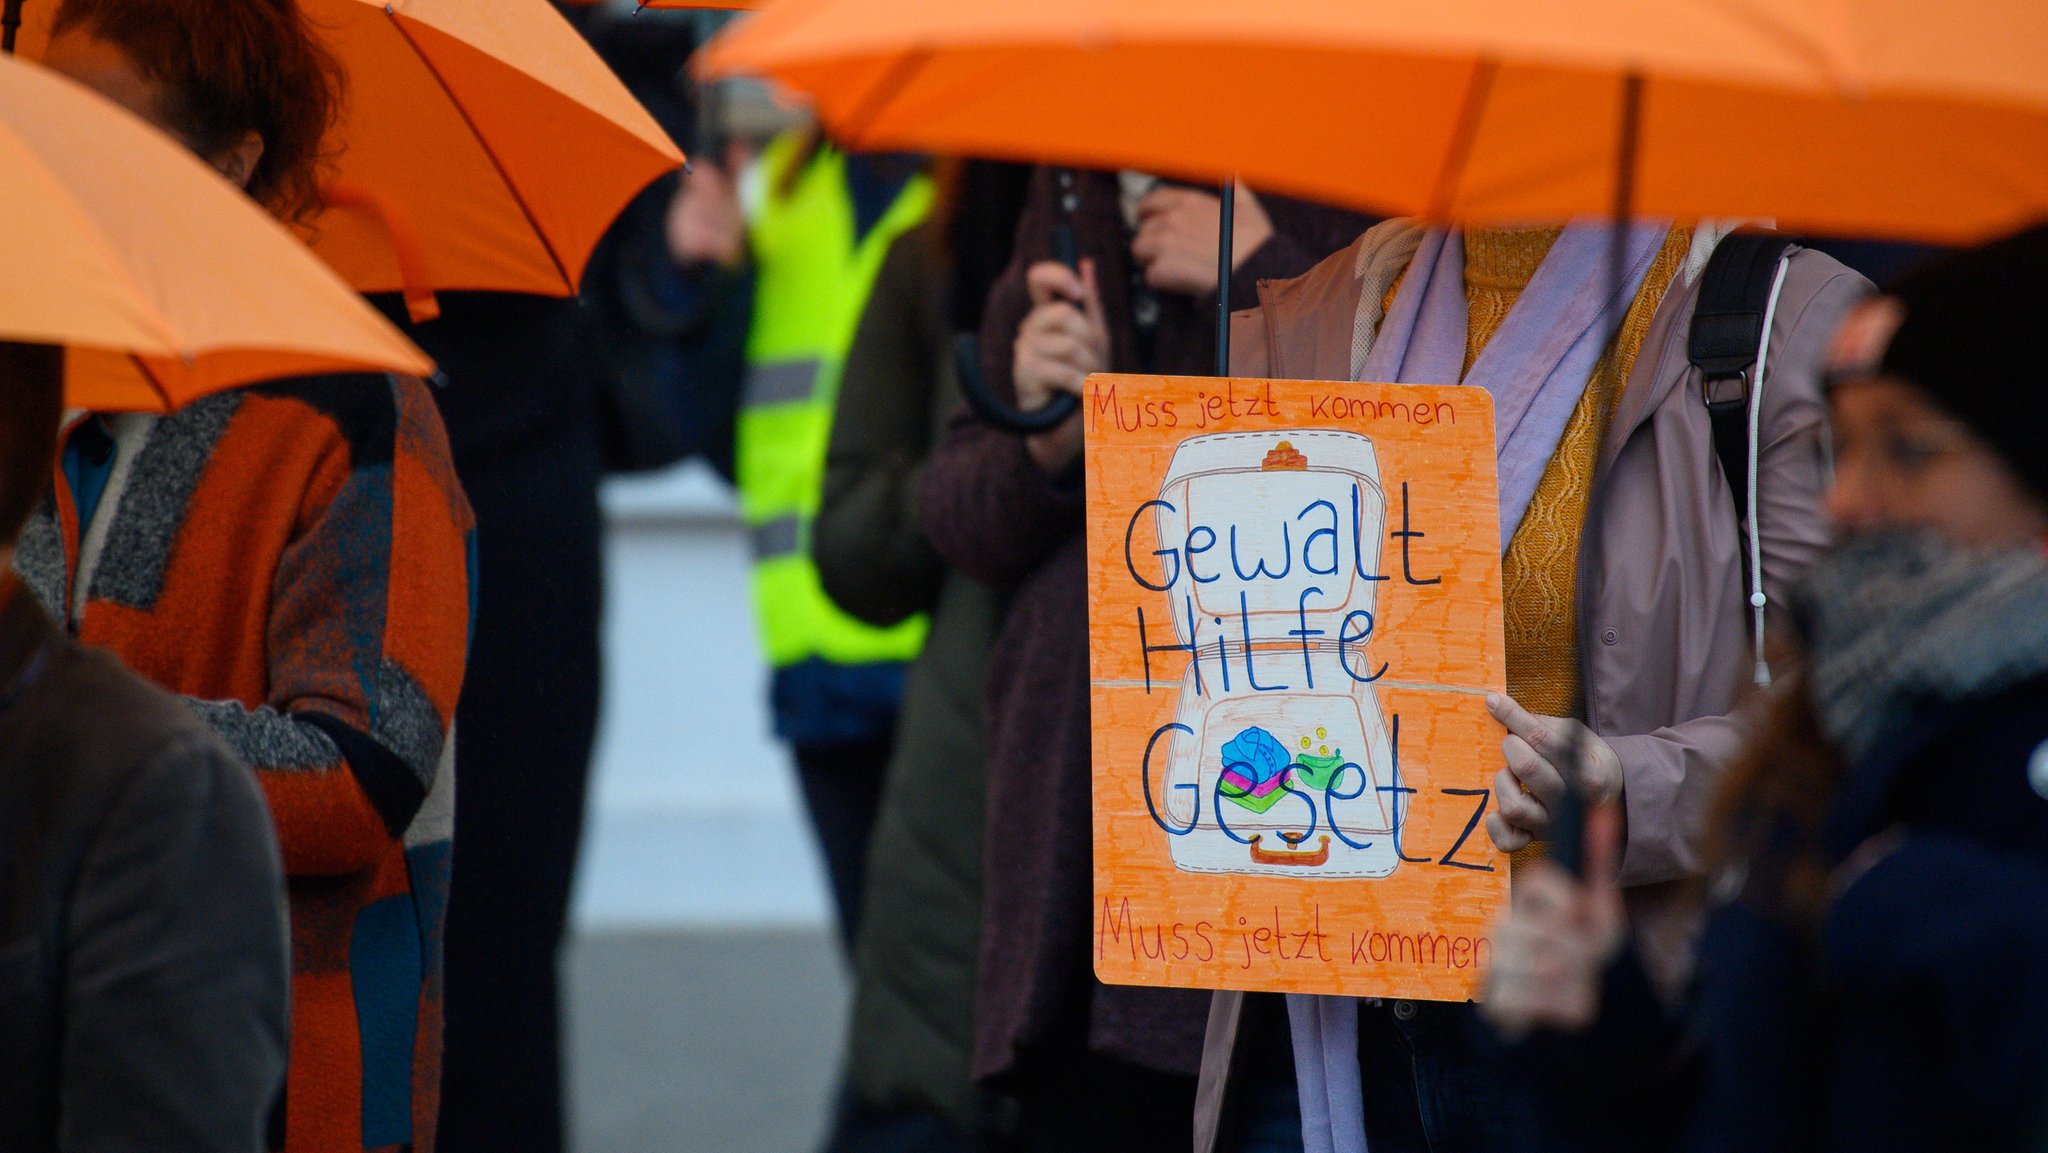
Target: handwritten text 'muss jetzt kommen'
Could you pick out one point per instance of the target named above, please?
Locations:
(1213, 410)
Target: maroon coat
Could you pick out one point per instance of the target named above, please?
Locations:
(996, 516)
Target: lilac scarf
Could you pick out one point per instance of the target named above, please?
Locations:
(1536, 366)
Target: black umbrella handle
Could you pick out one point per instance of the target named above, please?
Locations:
(990, 408)
(10, 23)
(967, 349)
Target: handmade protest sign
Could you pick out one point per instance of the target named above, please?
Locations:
(1294, 607)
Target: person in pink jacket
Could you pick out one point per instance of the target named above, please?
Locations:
(1637, 585)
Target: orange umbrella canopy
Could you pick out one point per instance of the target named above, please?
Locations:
(683, 5)
(483, 145)
(1870, 117)
(163, 280)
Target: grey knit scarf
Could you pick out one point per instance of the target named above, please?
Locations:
(1895, 621)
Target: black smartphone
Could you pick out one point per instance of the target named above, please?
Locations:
(1566, 843)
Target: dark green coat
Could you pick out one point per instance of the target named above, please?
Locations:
(914, 964)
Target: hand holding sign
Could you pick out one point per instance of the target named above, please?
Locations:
(1543, 753)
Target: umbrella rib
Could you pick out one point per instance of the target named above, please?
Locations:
(878, 97)
(155, 385)
(511, 187)
(1464, 135)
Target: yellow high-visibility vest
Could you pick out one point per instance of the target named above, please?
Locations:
(811, 282)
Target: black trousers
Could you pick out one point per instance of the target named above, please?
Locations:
(842, 786)
(523, 736)
(1071, 1100)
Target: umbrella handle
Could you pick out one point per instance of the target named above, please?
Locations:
(1226, 227)
(967, 348)
(991, 408)
(420, 302)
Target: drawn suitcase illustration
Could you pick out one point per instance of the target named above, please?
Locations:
(1294, 781)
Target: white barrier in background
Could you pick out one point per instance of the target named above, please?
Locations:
(694, 817)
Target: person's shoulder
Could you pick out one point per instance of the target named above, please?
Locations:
(361, 408)
(1380, 251)
(1313, 315)
(1813, 275)
(118, 761)
(378, 417)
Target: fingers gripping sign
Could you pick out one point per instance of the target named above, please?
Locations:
(1543, 756)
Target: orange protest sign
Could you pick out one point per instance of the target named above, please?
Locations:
(1294, 601)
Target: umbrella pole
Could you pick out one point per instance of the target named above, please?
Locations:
(1624, 192)
(1224, 242)
(1625, 205)
(10, 23)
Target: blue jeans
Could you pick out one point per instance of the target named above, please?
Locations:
(1435, 1081)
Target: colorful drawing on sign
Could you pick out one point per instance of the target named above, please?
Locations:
(1281, 586)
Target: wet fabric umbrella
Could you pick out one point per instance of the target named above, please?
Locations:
(685, 5)
(162, 280)
(1882, 118)
(483, 145)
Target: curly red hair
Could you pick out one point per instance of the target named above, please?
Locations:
(231, 67)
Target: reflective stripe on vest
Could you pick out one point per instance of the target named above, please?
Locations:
(810, 283)
(780, 382)
(779, 537)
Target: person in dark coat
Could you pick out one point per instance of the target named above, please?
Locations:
(145, 977)
(912, 1026)
(1873, 974)
(521, 405)
(1092, 1066)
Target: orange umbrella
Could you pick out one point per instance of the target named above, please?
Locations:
(484, 145)
(684, 5)
(165, 282)
(1870, 117)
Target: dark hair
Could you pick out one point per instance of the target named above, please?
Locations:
(1767, 817)
(232, 67)
(31, 409)
(974, 223)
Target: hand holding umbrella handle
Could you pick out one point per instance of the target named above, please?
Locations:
(990, 408)
(967, 348)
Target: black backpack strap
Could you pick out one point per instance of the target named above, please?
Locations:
(1727, 327)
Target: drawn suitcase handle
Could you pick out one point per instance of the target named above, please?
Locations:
(1307, 858)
